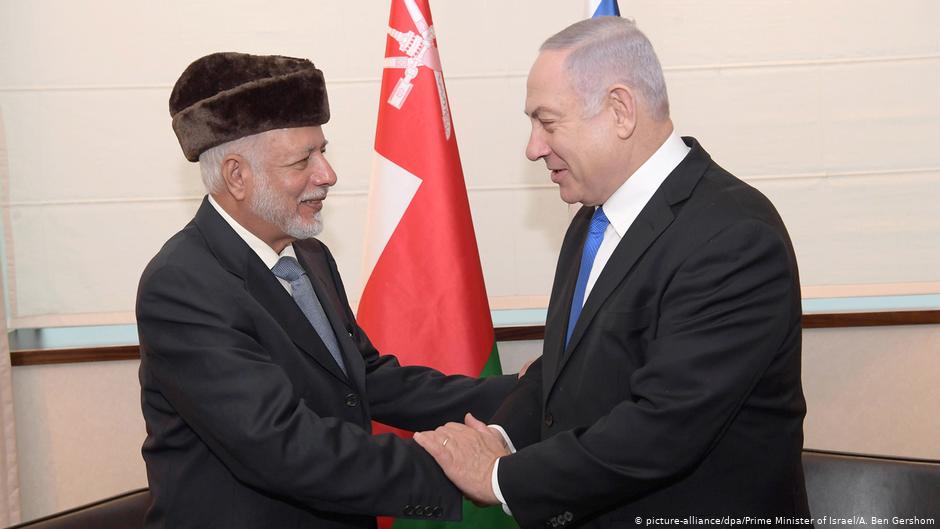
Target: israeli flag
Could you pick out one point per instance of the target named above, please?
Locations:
(600, 8)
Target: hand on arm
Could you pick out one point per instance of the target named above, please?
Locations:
(467, 453)
(525, 367)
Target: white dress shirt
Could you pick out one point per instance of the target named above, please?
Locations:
(267, 254)
(622, 208)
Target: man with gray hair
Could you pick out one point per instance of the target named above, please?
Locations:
(668, 391)
(257, 386)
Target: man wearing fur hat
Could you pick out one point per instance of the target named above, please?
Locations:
(257, 385)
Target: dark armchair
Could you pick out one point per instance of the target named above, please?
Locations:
(125, 511)
(851, 486)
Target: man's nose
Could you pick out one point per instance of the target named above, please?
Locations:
(324, 174)
(537, 147)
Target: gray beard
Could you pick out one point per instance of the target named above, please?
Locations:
(264, 203)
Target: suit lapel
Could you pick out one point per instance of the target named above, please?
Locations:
(647, 227)
(236, 257)
(559, 307)
(266, 289)
(652, 221)
(314, 261)
(649, 224)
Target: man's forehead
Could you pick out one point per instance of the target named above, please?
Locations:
(547, 84)
(549, 63)
(298, 137)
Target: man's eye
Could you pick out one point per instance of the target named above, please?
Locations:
(300, 164)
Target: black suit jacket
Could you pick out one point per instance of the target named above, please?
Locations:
(250, 421)
(679, 393)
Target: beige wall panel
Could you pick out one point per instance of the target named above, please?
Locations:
(492, 132)
(475, 37)
(92, 145)
(852, 28)
(862, 229)
(88, 258)
(881, 116)
(688, 32)
(133, 42)
(752, 122)
(873, 390)
(518, 262)
(78, 431)
(514, 355)
(691, 32)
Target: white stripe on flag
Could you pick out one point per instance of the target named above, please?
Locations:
(392, 189)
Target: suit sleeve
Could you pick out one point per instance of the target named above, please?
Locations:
(520, 413)
(209, 370)
(417, 398)
(725, 316)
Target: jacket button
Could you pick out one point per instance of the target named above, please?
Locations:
(408, 510)
(438, 512)
(549, 420)
(352, 400)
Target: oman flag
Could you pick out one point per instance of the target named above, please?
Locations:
(424, 299)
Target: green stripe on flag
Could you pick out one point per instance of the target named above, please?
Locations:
(492, 366)
(473, 518)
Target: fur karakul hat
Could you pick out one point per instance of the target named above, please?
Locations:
(225, 96)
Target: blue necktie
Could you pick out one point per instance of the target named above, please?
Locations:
(599, 224)
(289, 269)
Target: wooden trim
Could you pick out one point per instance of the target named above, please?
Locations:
(520, 333)
(871, 319)
(33, 357)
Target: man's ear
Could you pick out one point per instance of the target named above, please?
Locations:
(623, 105)
(236, 172)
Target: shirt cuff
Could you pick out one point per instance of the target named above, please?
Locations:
(495, 483)
(498, 428)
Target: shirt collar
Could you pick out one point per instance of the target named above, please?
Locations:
(625, 204)
(267, 254)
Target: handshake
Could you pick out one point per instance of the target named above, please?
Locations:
(467, 453)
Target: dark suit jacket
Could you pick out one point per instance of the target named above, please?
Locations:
(679, 392)
(250, 421)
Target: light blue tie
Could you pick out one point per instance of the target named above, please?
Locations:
(288, 269)
(595, 236)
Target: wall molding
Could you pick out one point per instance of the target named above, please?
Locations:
(33, 357)
(823, 175)
(513, 74)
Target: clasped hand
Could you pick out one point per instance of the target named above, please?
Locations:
(466, 452)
